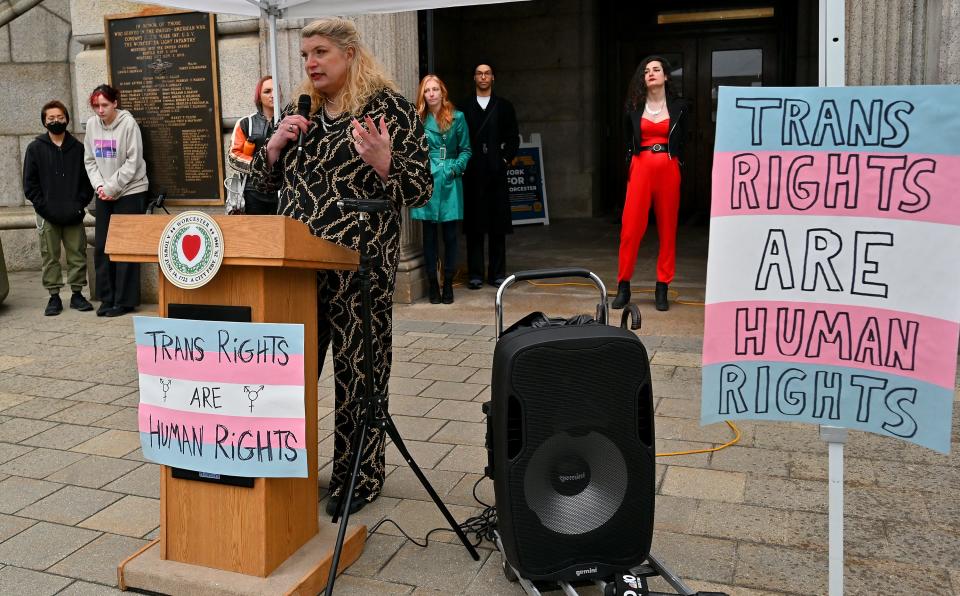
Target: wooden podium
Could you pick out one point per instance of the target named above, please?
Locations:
(269, 265)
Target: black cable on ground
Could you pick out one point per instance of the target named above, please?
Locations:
(481, 526)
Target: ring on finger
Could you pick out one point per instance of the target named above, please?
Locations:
(359, 140)
(290, 127)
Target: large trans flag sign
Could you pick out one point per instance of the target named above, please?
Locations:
(833, 283)
(222, 398)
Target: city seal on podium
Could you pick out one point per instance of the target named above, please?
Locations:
(191, 249)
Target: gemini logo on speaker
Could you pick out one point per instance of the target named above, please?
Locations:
(586, 571)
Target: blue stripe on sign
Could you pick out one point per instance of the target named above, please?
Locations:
(212, 460)
(916, 119)
(896, 406)
(237, 333)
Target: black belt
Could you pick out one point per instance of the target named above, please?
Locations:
(657, 148)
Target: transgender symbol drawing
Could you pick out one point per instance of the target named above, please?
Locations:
(165, 385)
(252, 394)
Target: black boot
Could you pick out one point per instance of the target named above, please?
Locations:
(660, 296)
(433, 288)
(54, 306)
(623, 295)
(447, 296)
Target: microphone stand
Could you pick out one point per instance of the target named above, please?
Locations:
(374, 407)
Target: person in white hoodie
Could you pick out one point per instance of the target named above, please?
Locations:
(113, 156)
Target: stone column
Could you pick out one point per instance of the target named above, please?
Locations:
(393, 40)
(903, 42)
(885, 41)
(945, 15)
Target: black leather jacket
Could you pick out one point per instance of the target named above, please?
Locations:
(678, 109)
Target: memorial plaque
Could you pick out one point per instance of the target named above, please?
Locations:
(165, 66)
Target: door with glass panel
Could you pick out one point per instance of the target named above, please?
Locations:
(740, 61)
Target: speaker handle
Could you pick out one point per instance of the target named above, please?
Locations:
(602, 309)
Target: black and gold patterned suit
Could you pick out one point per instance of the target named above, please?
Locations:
(330, 168)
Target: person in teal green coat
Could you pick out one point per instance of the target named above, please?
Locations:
(449, 143)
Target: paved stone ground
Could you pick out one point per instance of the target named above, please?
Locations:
(76, 497)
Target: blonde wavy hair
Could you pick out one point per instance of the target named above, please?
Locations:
(444, 115)
(365, 75)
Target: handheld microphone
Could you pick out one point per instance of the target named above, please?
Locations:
(303, 108)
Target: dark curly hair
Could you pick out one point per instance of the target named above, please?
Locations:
(637, 90)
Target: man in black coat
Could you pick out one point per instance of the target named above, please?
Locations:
(494, 136)
(55, 181)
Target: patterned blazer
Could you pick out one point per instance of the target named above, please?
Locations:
(330, 168)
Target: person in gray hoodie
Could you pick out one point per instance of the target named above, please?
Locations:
(113, 155)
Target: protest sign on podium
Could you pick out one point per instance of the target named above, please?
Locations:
(229, 401)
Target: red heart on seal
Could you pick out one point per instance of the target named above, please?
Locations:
(190, 245)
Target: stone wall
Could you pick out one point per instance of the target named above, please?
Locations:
(36, 50)
(243, 57)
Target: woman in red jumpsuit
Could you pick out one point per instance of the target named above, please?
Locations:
(656, 125)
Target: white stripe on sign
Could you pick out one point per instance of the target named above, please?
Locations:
(878, 263)
(225, 399)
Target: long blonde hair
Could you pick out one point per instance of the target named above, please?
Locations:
(365, 75)
(444, 116)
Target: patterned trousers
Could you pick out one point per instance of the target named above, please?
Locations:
(339, 323)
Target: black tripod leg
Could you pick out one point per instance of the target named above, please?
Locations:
(360, 435)
(398, 442)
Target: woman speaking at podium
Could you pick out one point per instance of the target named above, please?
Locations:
(361, 139)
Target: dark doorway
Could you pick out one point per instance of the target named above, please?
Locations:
(708, 45)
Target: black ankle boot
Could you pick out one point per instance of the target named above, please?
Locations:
(447, 296)
(433, 288)
(623, 295)
(660, 296)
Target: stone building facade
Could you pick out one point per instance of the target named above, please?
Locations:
(56, 50)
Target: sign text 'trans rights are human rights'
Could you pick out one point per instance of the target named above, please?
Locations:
(833, 293)
(222, 398)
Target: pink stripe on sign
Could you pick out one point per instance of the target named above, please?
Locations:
(235, 425)
(211, 368)
(884, 185)
(886, 341)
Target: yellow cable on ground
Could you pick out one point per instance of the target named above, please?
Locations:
(732, 441)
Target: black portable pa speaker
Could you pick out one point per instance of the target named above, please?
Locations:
(573, 459)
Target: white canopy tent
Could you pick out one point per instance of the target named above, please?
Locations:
(271, 10)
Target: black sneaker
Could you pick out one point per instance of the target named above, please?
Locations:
(475, 284)
(78, 302)
(118, 310)
(54, 306)
(103, 308)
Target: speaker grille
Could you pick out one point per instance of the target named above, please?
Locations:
(601, 489)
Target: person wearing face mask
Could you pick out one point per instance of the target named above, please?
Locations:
(449, 142)
(249, 135)
(113, 155)
(55, 182)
